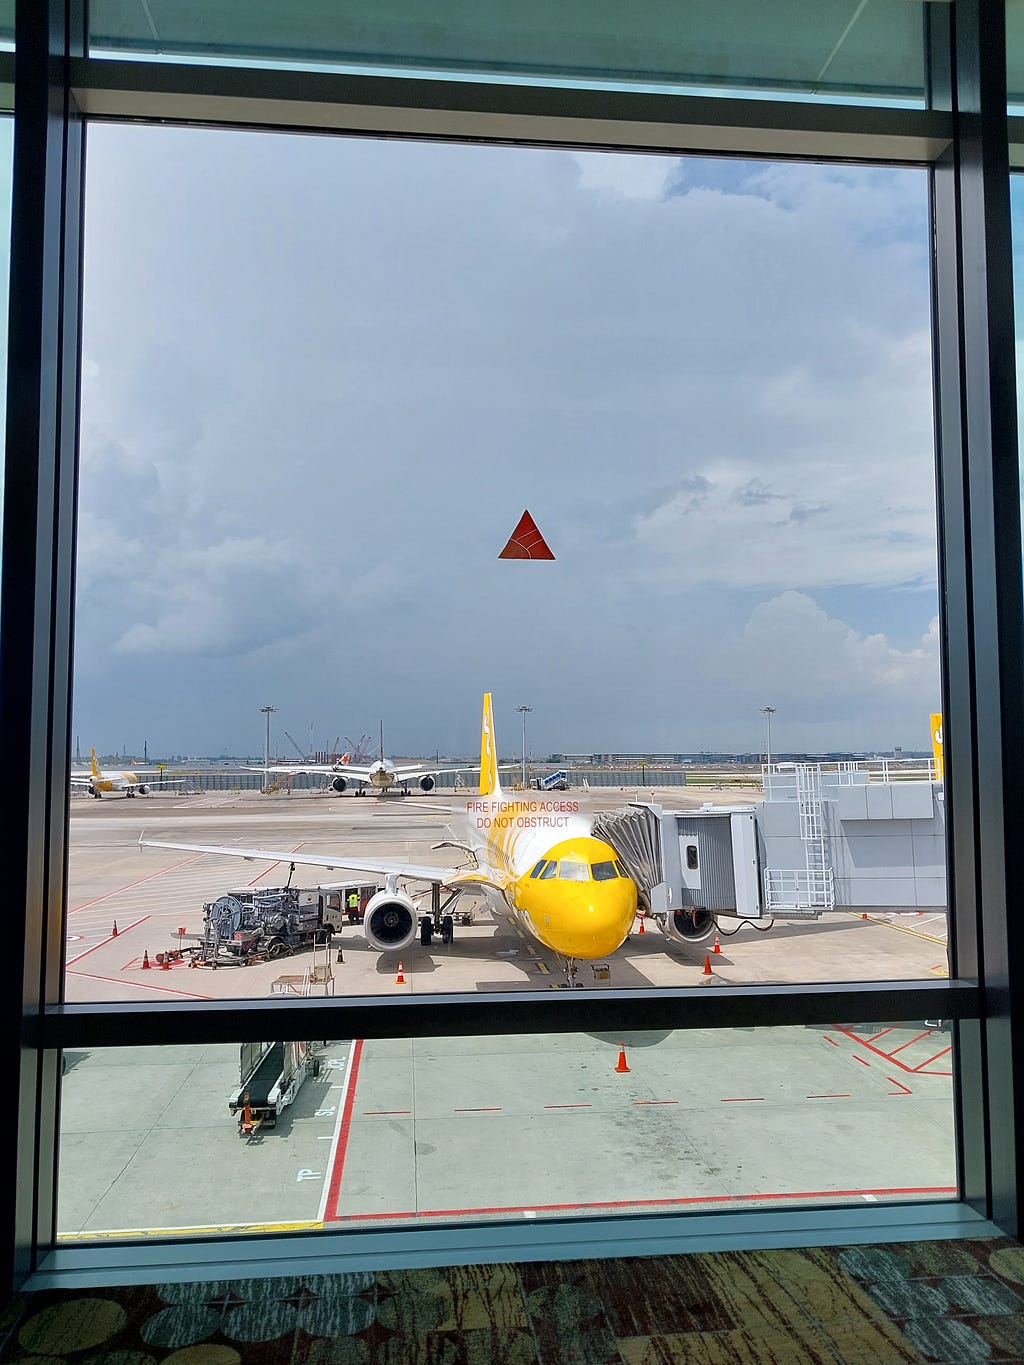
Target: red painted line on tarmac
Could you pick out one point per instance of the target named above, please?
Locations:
(875, 1036)
(496, 1109)
(568, 1106)
(655, 1101)
(740, 1099)
(903, 1090)
(260, 875)
(109, 939)
(117, 891)
(144, 986)
(862, 1061)
(830, 1040)
(640, 1203)
(344, 1133)
(916, 1038)
(828, 1097)
(928, 1062)
(891, 1056)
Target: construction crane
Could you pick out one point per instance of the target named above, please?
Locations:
(361, 749)
(295, 746)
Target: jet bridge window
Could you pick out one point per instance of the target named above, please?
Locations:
(569, 870)
(604, 872)
(691, 857)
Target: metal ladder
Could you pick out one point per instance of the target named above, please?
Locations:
(811, 889)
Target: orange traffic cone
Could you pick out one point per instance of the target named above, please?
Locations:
(718, 947)
(113, 932)
(641, 930)
(864, 915)
(707, 967)
(145, 960)
(400, 978)
(165, 963)
(621, 1064)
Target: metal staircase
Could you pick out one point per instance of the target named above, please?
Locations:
(811, 889)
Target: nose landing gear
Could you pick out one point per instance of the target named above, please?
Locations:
(570, 968)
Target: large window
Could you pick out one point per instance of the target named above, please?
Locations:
(588, 495)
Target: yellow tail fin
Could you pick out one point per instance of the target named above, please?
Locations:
(95, 765)
(489, 782)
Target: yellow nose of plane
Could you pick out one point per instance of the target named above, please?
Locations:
(578, 899)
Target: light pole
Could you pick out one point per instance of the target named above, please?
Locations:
(768, 712)
(267, 711)
(524, 711)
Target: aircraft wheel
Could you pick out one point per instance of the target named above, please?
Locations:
(426, 932)
(447, 929)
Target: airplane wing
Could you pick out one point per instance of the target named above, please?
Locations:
(347, 771)
(412, 871)
(80, 779)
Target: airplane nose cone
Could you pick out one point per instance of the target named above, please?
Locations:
(602, 921)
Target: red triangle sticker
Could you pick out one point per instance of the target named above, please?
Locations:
(526, 542)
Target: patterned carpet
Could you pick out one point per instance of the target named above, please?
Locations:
(947, 1302)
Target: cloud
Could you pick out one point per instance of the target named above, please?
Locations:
(324, 376)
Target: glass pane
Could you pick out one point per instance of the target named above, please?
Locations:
(323, 378)
(387, 1132)
(831, 50)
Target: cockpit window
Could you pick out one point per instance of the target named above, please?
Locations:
(537, 870)
(569, 870)
(549, 870)
(604, 872)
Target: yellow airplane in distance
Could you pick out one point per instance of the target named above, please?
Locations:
(100, 780)
(531, 855)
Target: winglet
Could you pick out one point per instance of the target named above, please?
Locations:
(489, 780)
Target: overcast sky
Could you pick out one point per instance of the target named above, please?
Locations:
(323, 377)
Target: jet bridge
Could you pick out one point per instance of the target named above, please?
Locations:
(693, 867)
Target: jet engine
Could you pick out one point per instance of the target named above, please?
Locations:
(391, 921)
(339, 784)
(142, 789)
(427, 784)
(691, 925)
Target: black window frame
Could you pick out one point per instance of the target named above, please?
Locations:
(963, 139)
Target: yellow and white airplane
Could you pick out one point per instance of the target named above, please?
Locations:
(99, 780)
(531, 855)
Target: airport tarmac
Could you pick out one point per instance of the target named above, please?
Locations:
(456, 1129)
(449, 1129)
(151, 894)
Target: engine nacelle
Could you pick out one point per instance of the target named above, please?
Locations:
(391, 921)
(427, 784)
(339, 784)
(687, 926)
(142, 789)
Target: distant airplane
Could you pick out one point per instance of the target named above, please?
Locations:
(531, 855)
(100, 780)
(383, 775)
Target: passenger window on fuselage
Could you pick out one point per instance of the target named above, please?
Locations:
(569, 870)
(550, 868)
(604, 872)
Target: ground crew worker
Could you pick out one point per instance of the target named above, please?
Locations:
(353, 905)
